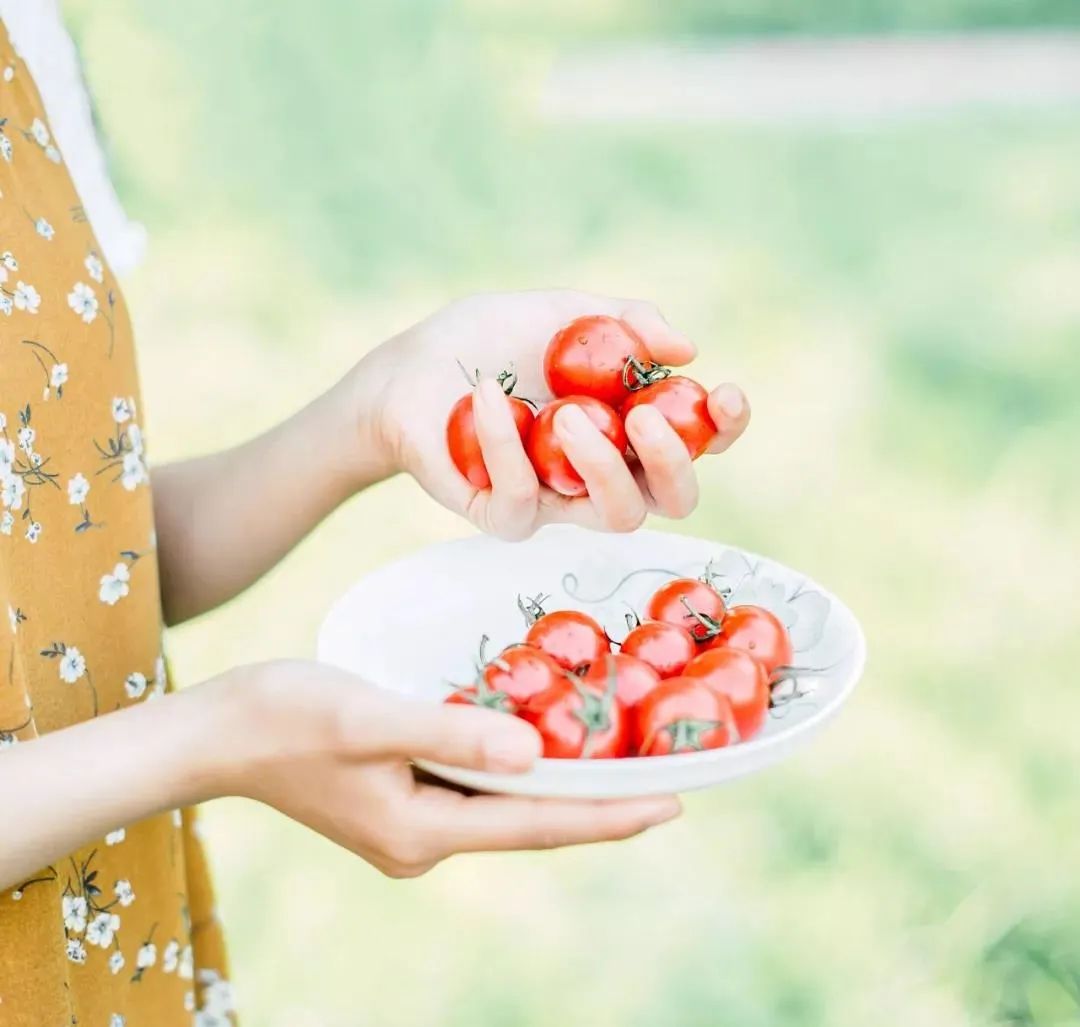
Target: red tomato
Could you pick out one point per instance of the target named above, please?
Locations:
(758, 632)
(573, 640)
(546, 451)
(685, 406)
(521, 671)
(667, 648)
(481, 695)
(578, 720)
(634, 678)
(678, 601)
(739, 678)
(589, 358)
(683, 715)
(464, 446)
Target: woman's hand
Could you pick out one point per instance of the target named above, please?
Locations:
(406, 387)
(333, 753)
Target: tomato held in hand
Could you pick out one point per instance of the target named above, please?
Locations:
(464, 445)
(572, 639)
(690, 604)
(634, 679)
(684, 405)
(546, 451)
(757, 632)
(521, 671)
(740, 679)
(589, 358)
(579, 720)
(683, 715)
(667, 648)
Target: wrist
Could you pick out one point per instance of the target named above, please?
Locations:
(368, 447)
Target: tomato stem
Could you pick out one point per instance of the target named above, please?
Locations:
(642, 373)
(595, 711)
(712, 627)
(686, 734)
(532, 608)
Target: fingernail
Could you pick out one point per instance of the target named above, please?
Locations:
(730, 399)
(648, 423)
(663, 811)
(488, 390)
(571, 420)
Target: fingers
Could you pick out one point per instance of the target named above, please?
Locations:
(665, 462)
(612, 489)
(487, 823)
(666, 345)
(377, 725)
(730, 411)
(511, 507)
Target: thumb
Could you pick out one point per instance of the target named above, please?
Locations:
(460, 735)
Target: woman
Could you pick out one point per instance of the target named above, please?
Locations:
(106, 913)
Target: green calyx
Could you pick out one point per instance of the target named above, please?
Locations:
(595, 710)
(711, 627)
(637, 374)
(686, 734)
(532, 608)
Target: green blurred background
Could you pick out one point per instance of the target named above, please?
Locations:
(902, 303)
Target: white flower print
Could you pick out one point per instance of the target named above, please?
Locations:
(124, 895)
(15, 617)
(75, 951)
(78, 488)
(12, 491)
(44, 229)
(102, 928)
(186, 969)
(72, 665)
(121, 409)
(26, 298)
(7, 305)
(217, 996)
(7, 740)
(189, 1001)
(94, 268)
(82, 300)
(7, 259)
(7, 452)
(115, 837)
(116, 1020)
(159, 673)
(73, 908)
(58, 376)
(115, 586)
(134, 434)
(9, 73)
(170, 956)
(116, 962)
(39, 132)
(5, 147)
(33, 532)
(7, 522)
(177, 818)
(52, 153)
(147, 956)
(135, 685)
(208, 1018)
(133, 473)
(26, 438)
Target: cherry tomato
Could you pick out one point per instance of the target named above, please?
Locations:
(634, 679)
(685, 406)
(579, 720)
(573, 640)
(739, 678)
(589, 357)
(481, 695)
(678, 601)
(546, 451)
(667, 648)
(464, 445)
(758, 632)
(521, 671)
(683, 715)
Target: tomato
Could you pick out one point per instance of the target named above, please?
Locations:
(634, 679)
(758, 632)
(741, 679)
(589, 357)
(667, 648)
(579, 720)
(546, 451)
(464, 445)
(678, 601)
(481, 695)
(521, 671)
(683, 715)
(684, 405)
(573, 640)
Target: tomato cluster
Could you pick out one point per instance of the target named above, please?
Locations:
(601, 365)
(695, 674)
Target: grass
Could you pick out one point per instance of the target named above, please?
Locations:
(901, 306)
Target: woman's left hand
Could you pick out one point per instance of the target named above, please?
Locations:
(406, 388)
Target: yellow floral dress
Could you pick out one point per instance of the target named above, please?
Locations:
(121, 933)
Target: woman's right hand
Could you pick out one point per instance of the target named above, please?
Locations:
(332, 752)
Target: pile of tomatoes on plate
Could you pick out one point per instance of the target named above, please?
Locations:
(601, 365)
(695, 674)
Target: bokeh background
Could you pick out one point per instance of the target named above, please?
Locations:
(901, 299)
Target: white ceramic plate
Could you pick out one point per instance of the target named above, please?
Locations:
(415, 625)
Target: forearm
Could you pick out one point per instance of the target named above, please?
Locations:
(224, 520)
(65, 789)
